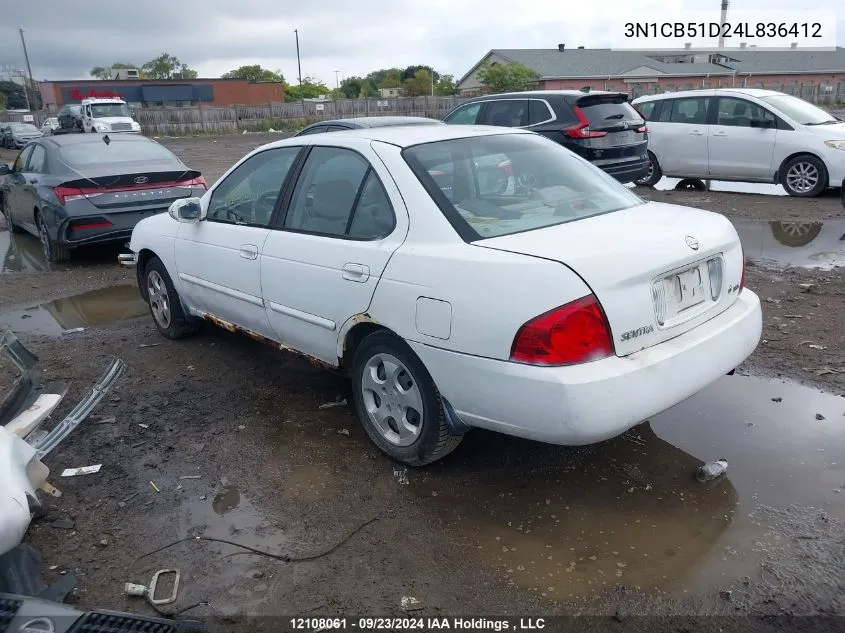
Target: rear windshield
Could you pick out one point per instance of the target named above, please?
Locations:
(98, 152)
(23, 127)
(490, 186)
(608, 113)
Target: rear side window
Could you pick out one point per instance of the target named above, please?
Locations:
(692, 110)
(538, 112)
(507, 113)
(646, 109)
(98, 153)
(465, 115)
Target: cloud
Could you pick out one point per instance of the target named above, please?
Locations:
(214, 36)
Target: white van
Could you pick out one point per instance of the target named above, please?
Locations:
(745, 135)
(107, 115)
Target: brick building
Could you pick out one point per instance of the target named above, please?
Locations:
(156, 93)
(645, 72)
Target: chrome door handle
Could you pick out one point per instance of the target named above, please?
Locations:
(720, 133)
(696, 133)
(248, 251)
(356, 272)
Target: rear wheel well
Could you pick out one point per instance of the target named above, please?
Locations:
(779, 172)
(354, 337)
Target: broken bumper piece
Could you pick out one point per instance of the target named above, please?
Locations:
(127, 259)
(23, 444)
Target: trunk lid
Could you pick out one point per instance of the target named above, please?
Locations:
(617, 129)
(642, 266)
(139, 186)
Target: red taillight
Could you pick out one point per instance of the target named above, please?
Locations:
(642, 129)
(582, 128)
(67, 193)
(199, 181)
(577, 332)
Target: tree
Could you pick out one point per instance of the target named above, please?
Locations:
(254, 73)
(506, 77)
(102, 72)
(311, 89)
(419, 85)
(166, 66)
(411, 72)
(446, 86)
(386, 78)
(358, 87)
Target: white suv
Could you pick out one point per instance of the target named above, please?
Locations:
(746, 135)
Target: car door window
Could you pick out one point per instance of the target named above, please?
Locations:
(314, 130)
(538, 112)
(740, 113)
(465, 115)
(23, 157)
(248, 195)
(339, 195)
(691, 110)
(37, 160)
(506, 113)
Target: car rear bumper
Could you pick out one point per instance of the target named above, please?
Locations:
(628, 171)
(120, 230)
(595, 401)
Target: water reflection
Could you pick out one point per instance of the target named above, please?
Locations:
(792, 243)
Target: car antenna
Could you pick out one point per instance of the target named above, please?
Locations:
(106, 139)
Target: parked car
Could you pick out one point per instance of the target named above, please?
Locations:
(517, 310)
(355, 123)
(70, 118)
(17, 135)
(599, 126)
(744, 134)
(76, 190)
(50, 124)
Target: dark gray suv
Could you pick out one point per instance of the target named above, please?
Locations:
(602, 127)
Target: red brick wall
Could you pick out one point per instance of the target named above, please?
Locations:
(226, 92)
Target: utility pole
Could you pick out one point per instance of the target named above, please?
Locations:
(298, 64)
(337, 78)
(28, 68)
(25, 91)
(724, 18)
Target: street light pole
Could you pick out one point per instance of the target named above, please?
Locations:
(298, 64)
(337, 78)
(28, 68)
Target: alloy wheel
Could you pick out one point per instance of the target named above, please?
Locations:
(392, 399)
(44, 237)
(159, 300)
(802, 177)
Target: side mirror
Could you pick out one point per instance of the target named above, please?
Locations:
(5, 169)
(187, 210)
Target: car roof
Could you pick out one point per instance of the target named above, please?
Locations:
(62, 140)
(750, 92)
(542, 93)
(377, 121)
(402, 135)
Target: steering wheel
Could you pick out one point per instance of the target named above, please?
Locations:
(231, 214)
(268, 201)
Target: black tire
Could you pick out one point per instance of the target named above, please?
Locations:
(434, 439)
(7, 214)
(177, 324)
(812, 168)
(54, 253)
(654, 174)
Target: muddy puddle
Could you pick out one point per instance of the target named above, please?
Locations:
(778, 244)
(567, 522)
(21, 254)
(97, 307)
(695, 184)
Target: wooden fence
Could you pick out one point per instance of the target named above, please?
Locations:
(195, 120)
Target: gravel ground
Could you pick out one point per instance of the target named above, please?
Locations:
(502, 526)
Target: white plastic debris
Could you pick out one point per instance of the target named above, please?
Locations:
(409, 603)
(332, 405)
(401, 474)
(712, 470)
(82, 470)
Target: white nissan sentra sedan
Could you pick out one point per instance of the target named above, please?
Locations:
(463, 277)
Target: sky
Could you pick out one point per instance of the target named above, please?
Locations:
(354, 38)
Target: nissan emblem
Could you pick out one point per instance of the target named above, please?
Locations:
(692, 242)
